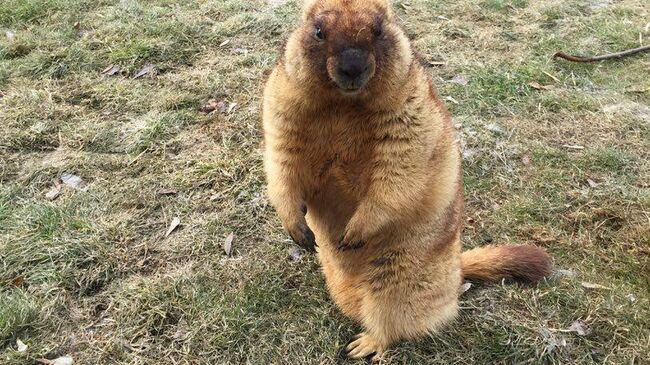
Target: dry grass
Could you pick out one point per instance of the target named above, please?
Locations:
(91, 274)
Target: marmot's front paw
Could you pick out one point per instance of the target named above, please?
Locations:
(303, 236)
(351, 240)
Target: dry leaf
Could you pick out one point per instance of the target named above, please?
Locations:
(525, 159)
(231, 107)
(294, 254)
(217, 196)
(563, 273)
(77, 26)
(224, 42)
(63, 360)
(227, 244)
(167, 192)
(495, 128)
(147, 69)
(594, 286)
(209, 107)
(592, 183)
(74, 181)
(181, 335)
(459, 80)
(20, 345)
(221, 107)
(18, 281)
(172, 226)
(451, 99)
(214, 105)
(579, 327)
(596, 5)
(55, 191)
(464, 288)
(437, 63)
(537, 86)
(111, 70)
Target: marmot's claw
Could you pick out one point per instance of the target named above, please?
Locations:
(304, 237)
(344, 246)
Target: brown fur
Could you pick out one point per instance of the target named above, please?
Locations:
(493, 263)
(379, 172)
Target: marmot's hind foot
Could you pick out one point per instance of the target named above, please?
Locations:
(365, 345)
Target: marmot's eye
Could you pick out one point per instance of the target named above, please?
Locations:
(319, 33)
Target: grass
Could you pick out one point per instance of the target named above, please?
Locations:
(91, 274)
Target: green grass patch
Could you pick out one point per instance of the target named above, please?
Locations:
(503, 4)
(17, 314)
(26, 11)
(609, 160)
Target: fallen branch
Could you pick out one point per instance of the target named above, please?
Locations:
(608, 56)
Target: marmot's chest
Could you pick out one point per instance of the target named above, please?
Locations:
(347, 161)
(342, 152)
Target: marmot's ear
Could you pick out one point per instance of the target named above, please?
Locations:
(308, 7)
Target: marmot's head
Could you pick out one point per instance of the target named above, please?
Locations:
(349, 46)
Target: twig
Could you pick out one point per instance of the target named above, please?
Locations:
(551, 76)
(573, 147)
(137, 157)
(608, 56)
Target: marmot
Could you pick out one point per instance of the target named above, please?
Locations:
(363, 165)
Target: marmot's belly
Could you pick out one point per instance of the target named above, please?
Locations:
(403, 280)
(344, 287)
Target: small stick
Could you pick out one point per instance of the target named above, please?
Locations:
(608, 56)
(137, 157)
(551, 76)
(573, 147)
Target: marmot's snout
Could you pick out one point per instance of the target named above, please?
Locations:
(354, 68)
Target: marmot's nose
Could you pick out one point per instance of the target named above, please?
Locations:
(353, 63)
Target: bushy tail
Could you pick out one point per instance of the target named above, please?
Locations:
(493, 263)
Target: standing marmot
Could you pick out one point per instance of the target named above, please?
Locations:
(361, 159)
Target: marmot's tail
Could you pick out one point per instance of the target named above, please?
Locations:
(493, 263)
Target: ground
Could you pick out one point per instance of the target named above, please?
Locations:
(556, 154)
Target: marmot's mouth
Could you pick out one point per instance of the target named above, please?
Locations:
(350, 89)
(351, 92)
